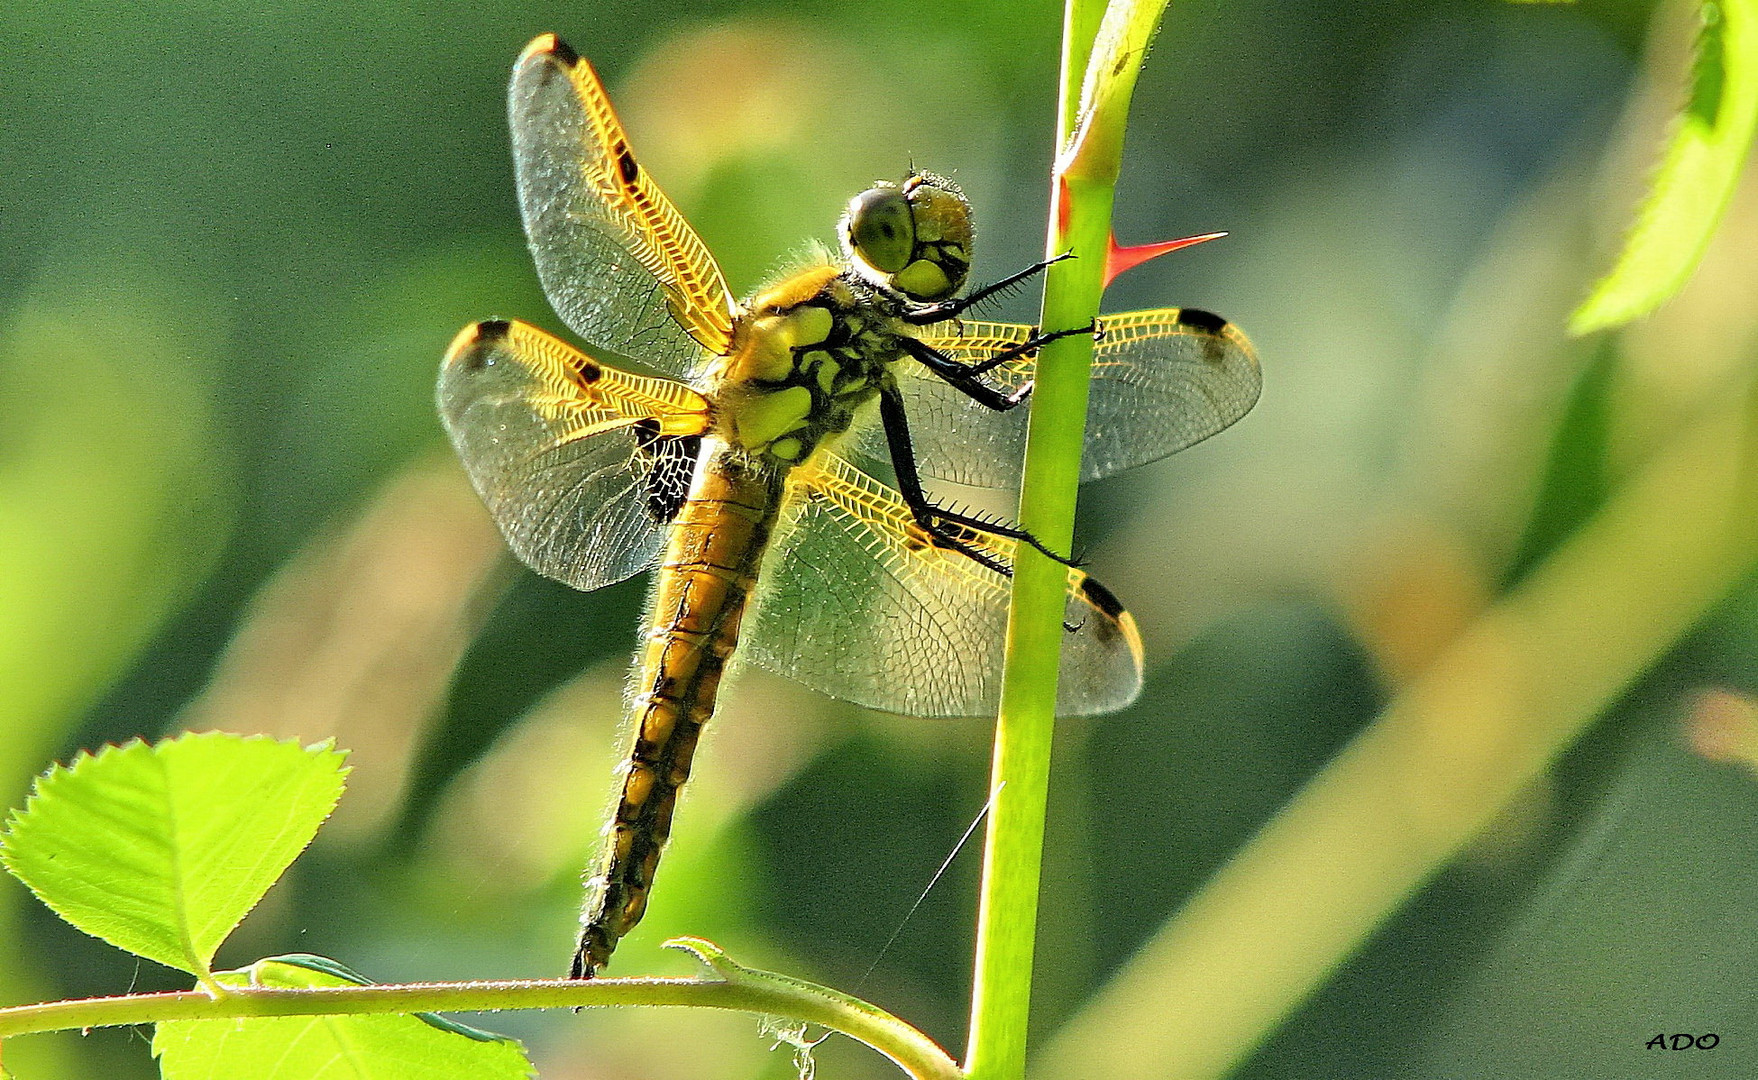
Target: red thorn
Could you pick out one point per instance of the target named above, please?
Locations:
(1118, 259)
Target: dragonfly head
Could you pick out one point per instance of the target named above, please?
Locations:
(912, 238)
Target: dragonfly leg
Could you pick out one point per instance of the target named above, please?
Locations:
(923, 314)
(960, 378)
(1030, 345)
(935, 519)
(965, 377)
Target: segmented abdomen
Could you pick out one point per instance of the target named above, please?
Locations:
(699, 595)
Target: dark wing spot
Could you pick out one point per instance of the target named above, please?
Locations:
(563, 52)
(479, 352)
(671, 462)
(590, 372)
(626, 166)
(1102, 599)
(1201, 320)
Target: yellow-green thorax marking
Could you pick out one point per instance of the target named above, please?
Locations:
(811, 351)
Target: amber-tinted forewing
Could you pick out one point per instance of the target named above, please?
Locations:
(852, 600)
(1162, 380)
(620, 264)
(559, 446)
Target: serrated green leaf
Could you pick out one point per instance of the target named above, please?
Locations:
(1696, 178)
(162, 849)
(361, 1047)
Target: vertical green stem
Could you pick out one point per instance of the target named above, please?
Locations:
(1019, 782)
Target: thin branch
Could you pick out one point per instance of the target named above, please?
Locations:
(737, 988)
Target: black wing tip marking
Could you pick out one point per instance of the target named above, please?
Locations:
(471, 349)
(1102, 598)
(1115, 628)
(553, 47)
(1198, 319)
(563, 52)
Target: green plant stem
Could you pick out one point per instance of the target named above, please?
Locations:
(1452, 751)
(739, 989)
(1019, 780)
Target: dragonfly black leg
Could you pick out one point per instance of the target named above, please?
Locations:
(930, 517)
(964, 377)
(1029, 345)
(959, 377)
(923, 314)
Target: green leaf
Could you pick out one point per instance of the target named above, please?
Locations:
(1697, 175)
(363, 1047)
(162, 849)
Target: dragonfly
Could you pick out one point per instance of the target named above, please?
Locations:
(771, 462)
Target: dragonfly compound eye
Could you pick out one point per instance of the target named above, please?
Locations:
(880, 230)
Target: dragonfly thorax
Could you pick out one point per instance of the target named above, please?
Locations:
(806, 354)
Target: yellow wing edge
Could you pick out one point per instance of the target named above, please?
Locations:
(696, 291)
(1155, 324)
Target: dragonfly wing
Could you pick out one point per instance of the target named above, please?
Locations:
(579, 464)
(854, 600)
(620, 264)
(1162, 380)
(1165, 380)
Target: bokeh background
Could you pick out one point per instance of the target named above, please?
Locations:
(237, 237)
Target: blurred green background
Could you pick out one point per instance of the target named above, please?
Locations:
(238, 237)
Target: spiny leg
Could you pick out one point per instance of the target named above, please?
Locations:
(964, 377)
(924, 314)
(1031, 345)
(930, 517)
(958, 377)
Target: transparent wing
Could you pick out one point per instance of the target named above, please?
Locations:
(1162, 380)
(854, 600)
(575, 460)
(621, 265)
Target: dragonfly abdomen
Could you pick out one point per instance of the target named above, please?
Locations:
(699, 596)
